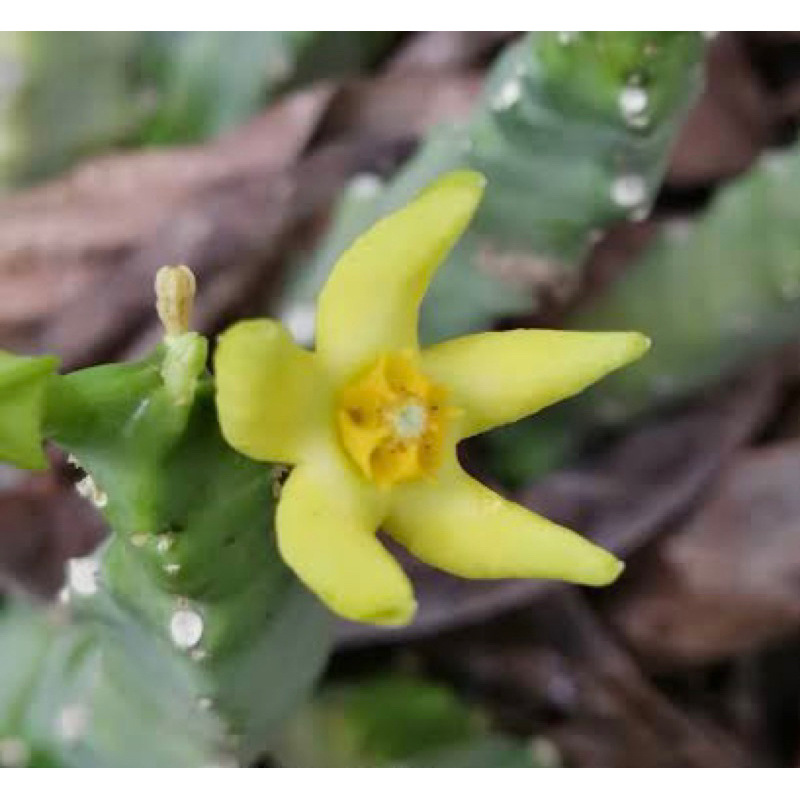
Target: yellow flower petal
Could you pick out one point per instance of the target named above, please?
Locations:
(273, 401)
(371, 300)
(462, 527)
(497, 378)
(327, 520)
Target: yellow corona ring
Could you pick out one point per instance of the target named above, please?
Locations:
(393, 420)
(370, 421)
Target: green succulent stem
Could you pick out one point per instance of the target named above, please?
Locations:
(713, 293)
(187, 640)
(572, 131)
(24, 385)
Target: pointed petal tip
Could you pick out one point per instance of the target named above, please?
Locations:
(463, 184)
(623, 348)
(640, 344)
(497, 378)
(468, 179)
(370, 303)
(628, 346)
(603, 569)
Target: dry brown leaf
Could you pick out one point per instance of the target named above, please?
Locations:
(729, 580)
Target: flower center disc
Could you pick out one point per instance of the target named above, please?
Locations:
(410, 421)
(392, 421)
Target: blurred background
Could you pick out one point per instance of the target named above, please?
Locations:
(650, 183)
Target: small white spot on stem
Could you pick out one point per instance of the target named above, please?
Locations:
(508, 95)
(633, 103)
(82, 575)
(629, 191)
(86, 487)
(365, 185)
(186, 628)
(71, 722)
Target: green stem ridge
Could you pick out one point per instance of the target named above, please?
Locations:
(573, 133)
(185, 621)
(713, 294)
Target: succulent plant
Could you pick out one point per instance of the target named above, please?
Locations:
(185, 621)
(572, 132)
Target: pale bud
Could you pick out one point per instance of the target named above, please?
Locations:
(175, 290)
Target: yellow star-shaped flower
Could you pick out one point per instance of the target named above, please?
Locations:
(371, 422)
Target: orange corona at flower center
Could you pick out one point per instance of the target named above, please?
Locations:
(393, 420)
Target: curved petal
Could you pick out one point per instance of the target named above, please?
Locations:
(371, 301)
(271, 398)
(326, 521)
(462, 527)
(497, 378)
